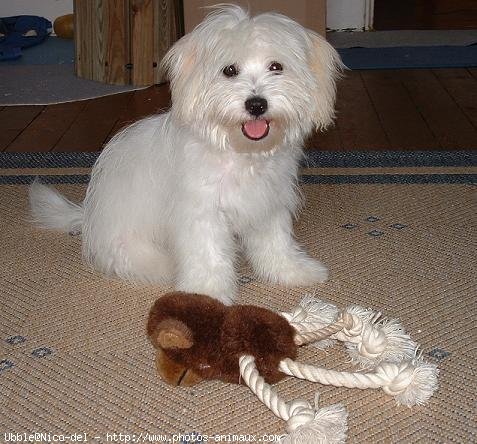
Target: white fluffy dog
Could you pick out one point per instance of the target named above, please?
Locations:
(173, 197)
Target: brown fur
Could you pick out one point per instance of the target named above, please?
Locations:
(201, 338)
(173, 373)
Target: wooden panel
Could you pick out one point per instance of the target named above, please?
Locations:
(142, 41)
(155, 26)
(404, 126)
(143, 103)
(425, 14)
(98, 45)
(90, 130)
(445, 118)
(123, 41)
(473, 72)
(102, 40)
(117, 40)
(328, 140)
(167, 29)
(444, 99)
(81, 18)
(358, 122)
(48, 127)
(14, 120)
(462, 86)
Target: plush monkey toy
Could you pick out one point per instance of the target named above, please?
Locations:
(199, 338)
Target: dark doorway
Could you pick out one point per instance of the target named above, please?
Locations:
(425, 14)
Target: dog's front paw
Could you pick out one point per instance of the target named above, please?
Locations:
(219, 290)
(300, 272)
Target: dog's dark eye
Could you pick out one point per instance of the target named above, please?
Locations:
(230, 71)
(275, 67)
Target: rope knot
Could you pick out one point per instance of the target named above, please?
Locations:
(353, 324)
(297, 315)
(374, 341)
(410, 382)
(396, 378)
(301, 413)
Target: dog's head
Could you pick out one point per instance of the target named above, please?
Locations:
(252, 84)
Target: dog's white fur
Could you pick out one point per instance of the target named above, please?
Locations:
(172, 197)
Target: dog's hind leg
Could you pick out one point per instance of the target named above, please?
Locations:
(135, 259)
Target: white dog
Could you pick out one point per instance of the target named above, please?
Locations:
(174, 196)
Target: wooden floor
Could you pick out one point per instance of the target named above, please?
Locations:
(377, 110)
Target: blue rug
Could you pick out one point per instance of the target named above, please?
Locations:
(45, 75)
(410, 57)
(53, 51)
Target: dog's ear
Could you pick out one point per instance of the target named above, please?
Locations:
(172, 334)
(180, 67)
(326, 67)
(178, 62)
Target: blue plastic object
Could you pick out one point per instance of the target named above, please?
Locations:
(20, 32)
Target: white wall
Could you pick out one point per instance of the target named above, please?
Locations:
(349, 14)
(49, 9)
(341, 14)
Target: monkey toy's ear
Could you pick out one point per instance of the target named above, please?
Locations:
(172, 334)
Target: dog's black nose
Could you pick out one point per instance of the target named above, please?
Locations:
(256, 106)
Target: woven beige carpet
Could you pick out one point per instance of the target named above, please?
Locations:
(74, 358)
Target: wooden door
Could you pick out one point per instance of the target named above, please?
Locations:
(425, 14)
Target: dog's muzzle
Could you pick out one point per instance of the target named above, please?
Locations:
(257, 128)
(256, 106)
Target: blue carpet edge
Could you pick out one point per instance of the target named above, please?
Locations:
(400, 57)
(312, 159)
(305, 179)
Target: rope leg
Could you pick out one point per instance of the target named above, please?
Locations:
(304, 424)
(265, 392)
(410, 382)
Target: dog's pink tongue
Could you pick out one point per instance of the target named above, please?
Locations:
(255, 129)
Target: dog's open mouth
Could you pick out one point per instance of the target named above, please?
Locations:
(256, 129)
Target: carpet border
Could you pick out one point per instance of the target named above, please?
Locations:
(313, 158)
(305, 179)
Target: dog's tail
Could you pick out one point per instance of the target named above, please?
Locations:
(49, 209)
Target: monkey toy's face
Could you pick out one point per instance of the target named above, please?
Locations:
(185, 330)
(197, 338)
(174, 335)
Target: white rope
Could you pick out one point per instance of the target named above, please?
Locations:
(304, 424)
(382, 344)
(306, 337)
(371, 340)
(265, 392)
(410, 382)
(368, 339)
(311, 314)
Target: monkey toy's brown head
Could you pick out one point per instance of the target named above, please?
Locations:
(199, 338)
